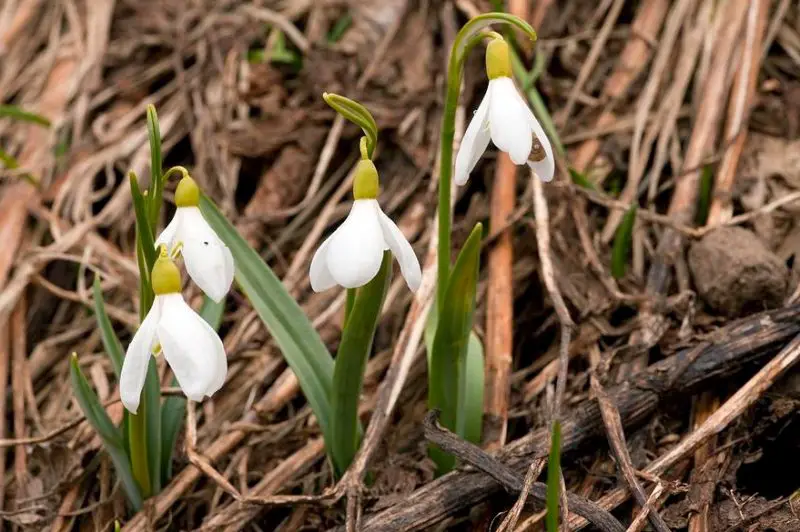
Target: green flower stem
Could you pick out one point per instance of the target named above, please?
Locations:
(137, 439)
(468, 37)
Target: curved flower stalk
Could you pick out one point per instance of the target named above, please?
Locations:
(504, 117)
(191, 347)
(208, 260)
(352, 255)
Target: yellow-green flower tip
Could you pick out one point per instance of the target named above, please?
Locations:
(365, 181)
(188, 193)
(166, 278)
(498, 59)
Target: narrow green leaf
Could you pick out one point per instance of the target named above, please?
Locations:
(553, 479)
(110, 340)
(156, 170)
(109, 434)
(447, 371)
(706, 186)
(580, 179)
(8, 160)
(152, 396)
(297, 339)
(473, 396)
(145, 246)
(212, 312)
(173, 413)
(17, 113)
(339, 27)
(622, 243)
(350, 300)
(357, 114)
(351, 361)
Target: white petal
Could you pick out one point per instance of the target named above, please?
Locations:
(547, 166)
(191, 348)
(321, 278)
(474, 142)
(137, 358)
(409, 264)
(510, 129)
(167, 236)
(208, 260)
(356, 248)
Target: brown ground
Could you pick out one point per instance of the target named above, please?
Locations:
(644, 96)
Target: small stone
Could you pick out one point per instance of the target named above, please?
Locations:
(735, 273)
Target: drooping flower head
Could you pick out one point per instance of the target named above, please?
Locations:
(352, 255)
(208, 260)
(504, 117)
(191, 347)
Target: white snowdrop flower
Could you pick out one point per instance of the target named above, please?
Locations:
(208, 260)
(352, 255)
(191, 347)
(504, 117)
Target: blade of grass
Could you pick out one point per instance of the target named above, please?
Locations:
(109, 434)
(351, 361)
(111, 342)
(17, 113)
(622, 243)
(156, 168)
(297, 339)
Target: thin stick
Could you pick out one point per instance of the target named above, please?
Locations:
(616, 440)
(638, 524)
(5, 358)
(543, 245)
(18, 334)
(510, 520)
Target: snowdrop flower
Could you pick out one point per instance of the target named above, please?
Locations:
(504, 117)
(192, 348)
(208, 260)
(352, 255)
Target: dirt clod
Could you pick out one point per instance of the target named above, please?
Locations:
(734, 272)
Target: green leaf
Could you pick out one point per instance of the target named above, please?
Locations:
(156, 168)
(212, 312)
(622, 243)
(580, 179)
(297, 339)
(8, 160)
(109, 434)
(706, 186)
(357, 114)
(553, 479)
(474, 387)
(447, 371)
(473, 406)
(145, 247)
(173, 413)
(144, 434)
(110, 340)
(17, 113)
(339, 27)
(351, 361)
(152, 398)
